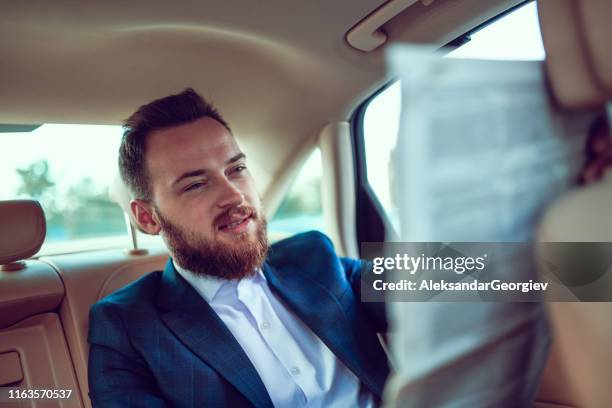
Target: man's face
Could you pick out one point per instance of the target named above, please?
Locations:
(204, 200)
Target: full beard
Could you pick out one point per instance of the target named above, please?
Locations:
(205, 257)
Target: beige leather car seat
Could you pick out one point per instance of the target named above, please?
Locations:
(576, 36)
(33, 350)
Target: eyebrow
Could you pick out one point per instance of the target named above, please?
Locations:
(200, 172)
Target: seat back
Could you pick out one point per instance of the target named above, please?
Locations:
(30, 293)
(576, 36)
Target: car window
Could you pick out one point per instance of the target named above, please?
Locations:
(302, 208)
(66, 168)
(514, 36)
(380, 129)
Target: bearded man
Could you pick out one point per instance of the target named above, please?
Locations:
(229, 322)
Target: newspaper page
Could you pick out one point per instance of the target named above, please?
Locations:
(480, 154)
(482, 150)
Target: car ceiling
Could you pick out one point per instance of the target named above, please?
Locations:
(278, 70)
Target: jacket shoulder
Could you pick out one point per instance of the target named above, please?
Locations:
(300, 246)
(132, 303)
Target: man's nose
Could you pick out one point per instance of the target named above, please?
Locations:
(230, 195)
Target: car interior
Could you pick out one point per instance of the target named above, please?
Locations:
(293, 79)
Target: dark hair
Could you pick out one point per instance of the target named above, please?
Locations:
(173, 110)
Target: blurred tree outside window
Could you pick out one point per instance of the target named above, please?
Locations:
(68, 169)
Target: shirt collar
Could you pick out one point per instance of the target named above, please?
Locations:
(207, 286)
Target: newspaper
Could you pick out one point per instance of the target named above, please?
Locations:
(480, 154)
(482, 149)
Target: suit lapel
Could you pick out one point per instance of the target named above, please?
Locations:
(197, 325)
(321, 311)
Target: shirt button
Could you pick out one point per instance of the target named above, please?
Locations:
(295, 370)
(264, 326)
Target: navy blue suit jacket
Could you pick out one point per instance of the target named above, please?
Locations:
(157, 343)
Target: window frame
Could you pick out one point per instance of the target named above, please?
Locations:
(370, 216)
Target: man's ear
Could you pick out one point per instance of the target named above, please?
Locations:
(144, 216)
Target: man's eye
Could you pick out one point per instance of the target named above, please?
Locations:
(240, 168)
(194, 186)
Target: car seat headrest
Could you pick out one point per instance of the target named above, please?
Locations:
(576, 35)
(22, 230)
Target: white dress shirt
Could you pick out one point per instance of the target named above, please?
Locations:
(295, 366)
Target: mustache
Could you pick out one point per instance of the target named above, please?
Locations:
(234, 214)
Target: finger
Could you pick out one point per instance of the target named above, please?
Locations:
(599, 144)
(595, 169)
